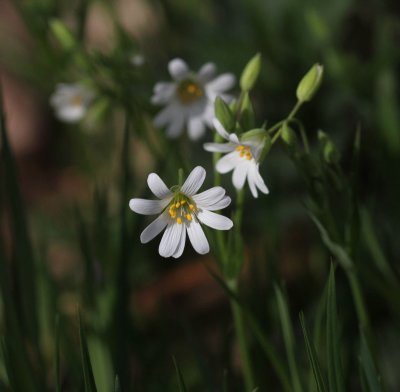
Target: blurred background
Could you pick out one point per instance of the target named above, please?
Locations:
(76, 181)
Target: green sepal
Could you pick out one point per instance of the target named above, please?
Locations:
(224, 114)
(250, 73)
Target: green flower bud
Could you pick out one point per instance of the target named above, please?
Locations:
(250, 73)
(62, 34)
(288, 135)
(224, 114)
(247, 118)
(309, 85)
(329, 150)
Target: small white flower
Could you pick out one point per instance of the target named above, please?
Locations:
(137, 60)
(71, 102)
(189, 99)
(242, 157)
(182, 210)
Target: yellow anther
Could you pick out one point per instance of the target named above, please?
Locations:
(183, 202)
(241, 154)
(191, 207)
(177, 204)
(248, 155)
(179, 221)
(240, 148)
(189, 217)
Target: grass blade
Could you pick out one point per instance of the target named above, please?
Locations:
(335, 373)
(288, 338)
(90, 385)
(181, 382)
(312, 357)
(368, 367)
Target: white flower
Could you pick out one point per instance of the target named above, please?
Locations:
(242, 157)
(137, 60)
(71, 102)
(182, 210)
(189, 99)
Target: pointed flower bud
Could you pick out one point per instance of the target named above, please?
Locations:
(250, 73)
(224, 114)
(62, 34)
(309, 85)
(329, 150)
(288, 135)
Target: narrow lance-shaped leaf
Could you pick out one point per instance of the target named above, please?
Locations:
(90, 385)
(179, 376)
(335, 373)
(288, 338)
(312, 357)
(368, 367)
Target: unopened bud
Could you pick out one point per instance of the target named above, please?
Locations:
(250, 73)
(62, 34)
(224, 114)
(329, 150)
(288, 135)
(310, 83)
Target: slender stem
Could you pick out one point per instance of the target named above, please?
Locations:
(294, 110)
(242, 339)
(359, 302)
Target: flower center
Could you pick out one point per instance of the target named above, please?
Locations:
(244, 152)
(189, 91)
(182, 208)
(76, 100)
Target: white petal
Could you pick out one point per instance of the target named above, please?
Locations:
(198, 238)
(163, 93)
(194, 181)
(228, 162)
(165, 116)
(154, 228)
(219, 205)
(215, 221)
(181, 244)
(206, 72)
(220, 129)
(71, 114)
(221, 83)
(209, 197)
(175, 127)
(259, 180)
(147, 207)
(170, 240)
(252, 182)
(219, 147)
(233, 138)
(196, 128)
(240, 174)
(178, 69)
(157, 186)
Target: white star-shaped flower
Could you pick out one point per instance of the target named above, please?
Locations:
(189, 99)
(242, 157)
(71, 102)
(182, 211)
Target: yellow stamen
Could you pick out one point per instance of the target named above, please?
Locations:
(179, 221)
(189, 91)
(191, 207)
(183, 202)
(177, 205)
(189, 217)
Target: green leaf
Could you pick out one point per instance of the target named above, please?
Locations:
(337, 250)
(335, 372)
(312, 357)
(288, 338)
(90, 385)
(181, 382)
(57, 354)
(368, 367)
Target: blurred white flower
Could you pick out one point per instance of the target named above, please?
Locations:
(189, 99)
(137, 60)
(182, 210)
(242, 157)
(71, 102)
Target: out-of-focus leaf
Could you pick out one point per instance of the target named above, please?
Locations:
(57, 354)
(340, 254)
(312, 357)
(179, 376)
(368, 367)
(335, 372)
(90, 385)
(288, 337)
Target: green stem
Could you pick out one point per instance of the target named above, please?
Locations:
(294, 110)
(359, 303)
(242, 339)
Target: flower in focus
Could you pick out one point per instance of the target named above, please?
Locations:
(71, 102)
(181, 211)
(189, 99)
(242, 157)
